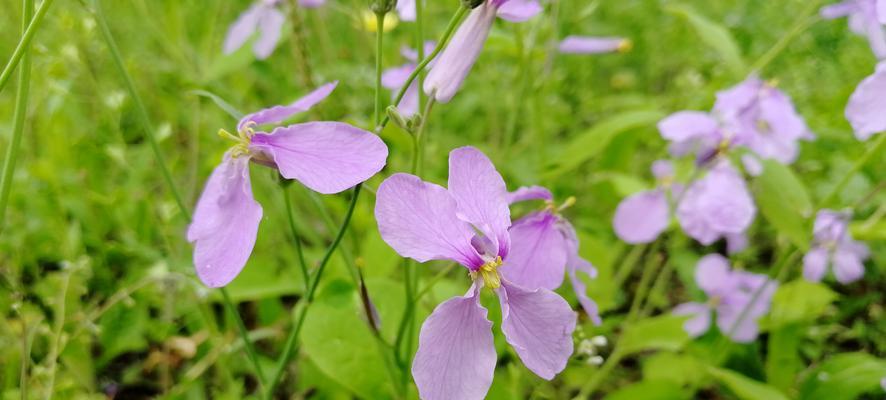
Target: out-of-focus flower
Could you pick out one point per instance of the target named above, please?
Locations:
(263, 17)
(833, 246)
(865, 110)
(468, 223)
(594, 45)
(327, 157)
(406, 9)
(544, 245)
(462, 51)
(641, 217)
(866, 18)
(731, 295)
(717, 205)
(395, 78)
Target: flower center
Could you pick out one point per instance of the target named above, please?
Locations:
(714, 301)
(763, 127)
(551, 206)
(489, 273)
(241, 141)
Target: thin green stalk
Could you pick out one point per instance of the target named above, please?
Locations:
(450, 29)
(420, 48)
(299, 47)
(645, 280)
(802, 22)
(878, 146)
(24, 43)
(627, 265)
(658, 287)
(379, 43)
(296, 238)
(247, 344)
(289, 348)
(18, 119)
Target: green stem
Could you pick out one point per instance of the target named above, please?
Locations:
(24, 43)
(645, 279)
(296, 238)
(379, 43)
(420, 47)
(247, 344)
(802, 22)
(427, 60)
(289, 348)
(878, 146)
(18, 119)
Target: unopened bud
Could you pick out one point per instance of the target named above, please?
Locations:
(383, 6)
(399, 119)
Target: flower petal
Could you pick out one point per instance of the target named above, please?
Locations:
(866, 105)
(279, 113)
(848, 266)
(519, 10)
(417, 219)
(527, 193)
(311, 3)
(716, 205)
(700, 321)
(838, 10)
(225, 223)
(881, 11)
(243, 28)
(641, 217)
(539, 325)
(327, 157)
(270, 28)
(406, 9)
(689, 131)
(743, 331)
(481, 195)
(591, 45)
(538, 253)
(455, 62)
(713, 275)
(456, 354)
(815, 264)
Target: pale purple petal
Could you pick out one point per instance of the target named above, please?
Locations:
(406, 9)
(848, 266)
(700, 321)
(875, 33)
(312, 3)
(460, 54)
(327, 157)
(744, 331)
(395, 78)
(456, 354)
(690, 131)
(279, 113)
(838, 10)
(519, 10)
(576, 264)
(409, 103)
(716, 205)
(830, 226)
(243, 28)
(713, 275)
(538, 252)
(225, 223)
(752, 164)
(481, 195)
(269, 30)
(662, 169)
(641, 217)
(527, 193)
(881, 11)
(815, 264)
(539, 325)
(866, 105)
(417, 219)
(738, 98)
(592, 45)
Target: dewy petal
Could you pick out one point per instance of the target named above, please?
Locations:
(700, 321)
(815, 264)
(519, 10)
(641, 217)
(539, 325)
(538, 252)
(243, 28)
(481, 195)
(462, 51)
(417, 219)
(848, 265)
(591, 45)
(327, 157)
(456, 354)
(225, 223)
(526, 193)
(279, 113)
(866, 105)
(576, 264)
(406, 9)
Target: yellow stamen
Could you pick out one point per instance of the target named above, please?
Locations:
(241, 141)
(489, 273)
(625, 46)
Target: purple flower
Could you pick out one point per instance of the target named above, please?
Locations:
(594, 45)
(468, 223)
(406, 9)
(717, 205)
(544, 245)
(327, 157)
(265, 18)
(866, 105)
(833, 246)
(395, 78)
(693, 132)
(866, 18)
(464, 48)
(730, 294)
(641, 217)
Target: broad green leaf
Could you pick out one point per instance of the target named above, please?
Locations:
(868, 230)
(664, 332)
(593, 141)
(714, 35)
(649, 390)
(783, 361)
(799, 301)
(844, 377)
(784, 202)
(745, 388)
(683, 369)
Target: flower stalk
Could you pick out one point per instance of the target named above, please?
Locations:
(24, 43)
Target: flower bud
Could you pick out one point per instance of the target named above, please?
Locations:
(383, 6)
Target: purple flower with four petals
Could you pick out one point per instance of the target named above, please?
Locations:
(265, 18)
(866, 18)
(594, 45)
(865, 109)
(833, 246)
(327, 157)
(468, 223)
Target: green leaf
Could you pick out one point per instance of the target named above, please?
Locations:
(649, 390)
(664, 332)
(784, 202)
(714, 35)
(122, 330)
(221, 103)
(844, 376)
(745, 388)
(868, 231)
(799, 301)
(679, 368)
(593, 141)
(783, 360)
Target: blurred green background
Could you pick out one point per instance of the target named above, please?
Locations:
(98, 289)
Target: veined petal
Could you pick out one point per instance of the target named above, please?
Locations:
(538, 252)
(225, 223)
(456, 355)
(700, 321)
(539, 325)
(592, 45)
(270, 26)
(327, 157)
(866, 105)
(279, 113)
(815, 264)
(243, 28)
(576, 264)
(417, 219)
(481, 195)
(527, 193)
(641, 217)
(519, 10)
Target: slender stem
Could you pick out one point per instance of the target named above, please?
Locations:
(427, 60)
(379, 43)
(420, 47)
(24, 43)
(296, 238)
(419, 156)
(801, 23)
(247, 344)
(289, 348)
(878, 146)
(18, 119)
(299, 47)
(658, 286)
(627, 265)
(645, 280)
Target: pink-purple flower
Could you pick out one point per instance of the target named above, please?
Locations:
(468, 223)
(834, 247)
(716, 206)
(462, 51)
(865, 109)
(265, 18)
(593, 45)
(866, 18)
(327, 157)
(731, 295)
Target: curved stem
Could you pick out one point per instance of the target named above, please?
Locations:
(802, 22)
(379, 43)
(247, 344)
(24, 43)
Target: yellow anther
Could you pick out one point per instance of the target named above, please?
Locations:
(625, 46)
(570, 201)
(763, 126)
(241, 142)
(489, 273)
